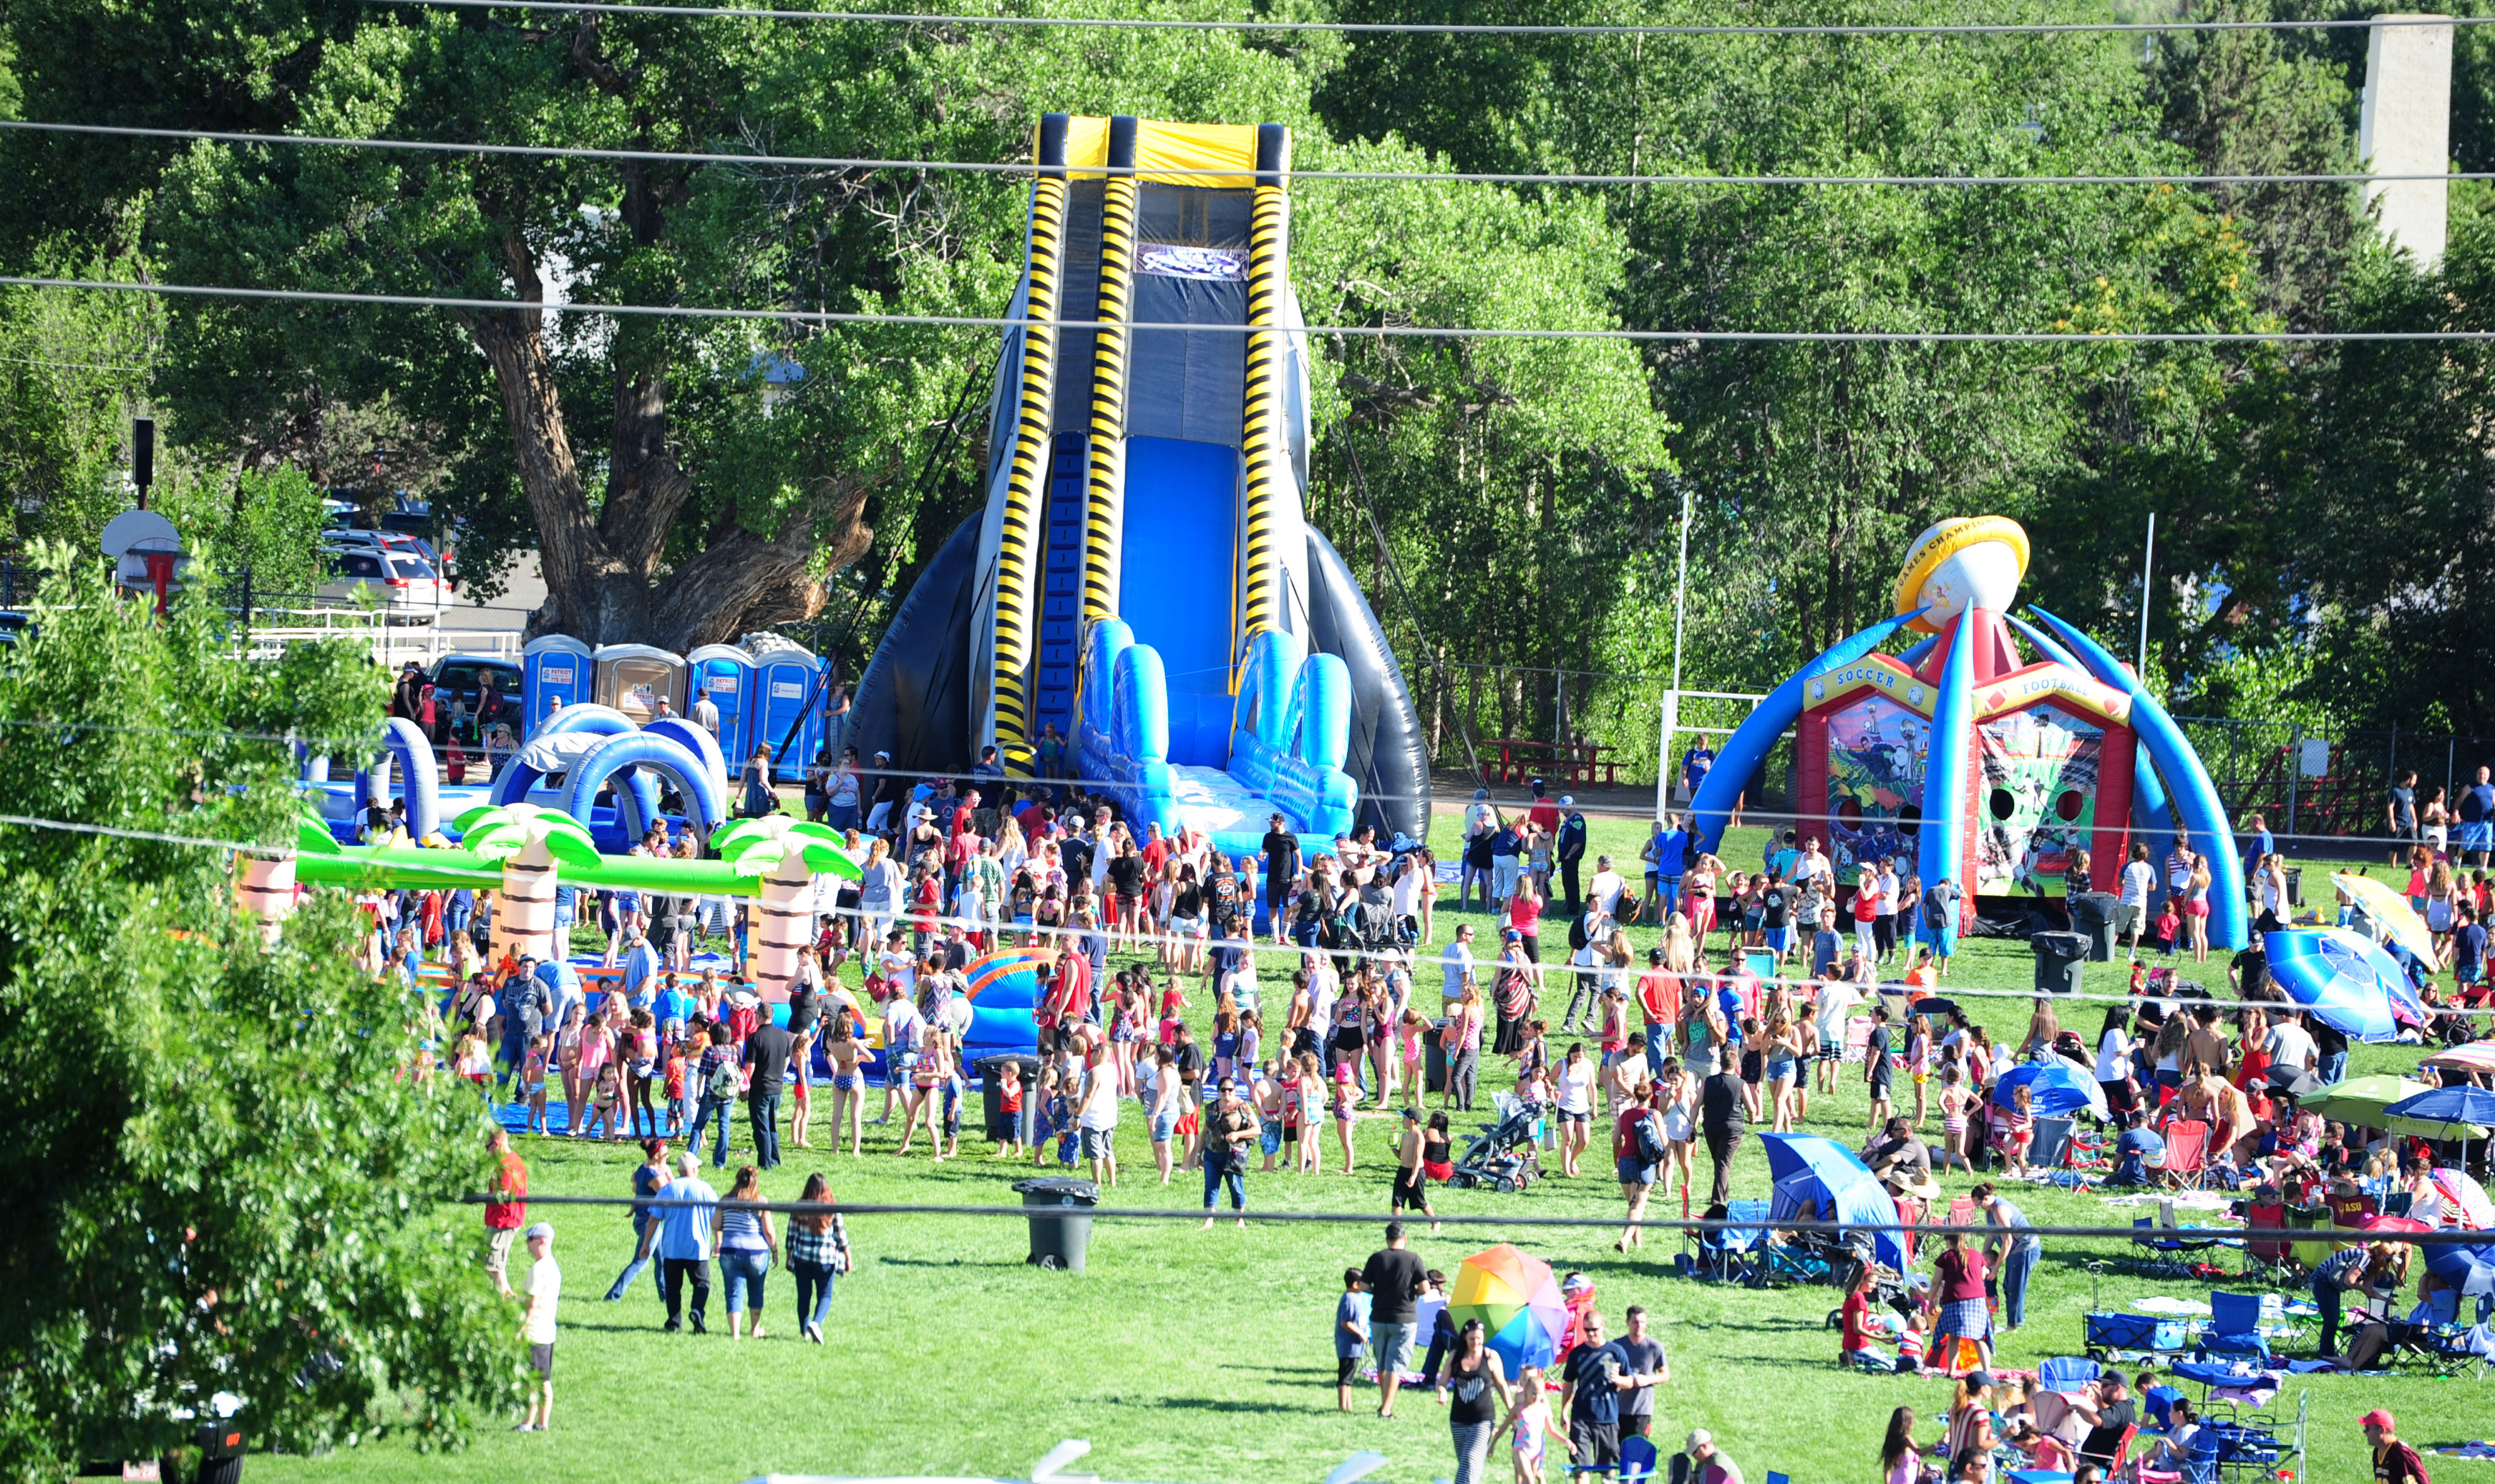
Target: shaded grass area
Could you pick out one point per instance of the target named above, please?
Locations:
(1205, 1356)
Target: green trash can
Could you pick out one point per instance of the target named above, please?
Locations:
(1060, 1208)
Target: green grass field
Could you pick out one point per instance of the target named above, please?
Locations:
(1204, 1356)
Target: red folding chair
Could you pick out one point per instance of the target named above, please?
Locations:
(2187, 1154)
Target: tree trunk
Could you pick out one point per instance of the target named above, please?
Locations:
(604, 584)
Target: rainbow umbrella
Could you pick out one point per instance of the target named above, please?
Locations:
(1518, 1302)
(2390, 910)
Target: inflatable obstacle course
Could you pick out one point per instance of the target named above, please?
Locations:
(1971, 762)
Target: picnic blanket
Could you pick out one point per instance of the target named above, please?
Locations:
(2159, 1303)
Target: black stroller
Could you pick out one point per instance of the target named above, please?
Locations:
(1503, 1156)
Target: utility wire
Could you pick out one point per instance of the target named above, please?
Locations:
(1375, 331)
(1934, 1229)
(1296, 176)
(1430, 28)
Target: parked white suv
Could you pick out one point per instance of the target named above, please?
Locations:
(404, 587)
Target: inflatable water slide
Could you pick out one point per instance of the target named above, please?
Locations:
(1142, 580)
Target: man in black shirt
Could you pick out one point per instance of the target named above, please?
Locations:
(1775, 916)
(1940, 916)
(766, 1069)
(1724, 1118)
(2115, 1414)
(1282, 851)
(1595, 1376)
(1875, 1064)
(2249, 973)
(1394, 1277)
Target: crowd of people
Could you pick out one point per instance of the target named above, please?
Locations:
(1761, 990)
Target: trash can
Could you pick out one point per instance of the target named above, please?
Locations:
(1060, 1210)
(2052, 1141)
(2296, 886)
(2058, 957)
(1001, 1124)
(1435, 1072)
(2092, 915)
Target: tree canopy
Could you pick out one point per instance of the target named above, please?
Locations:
(1524, 496)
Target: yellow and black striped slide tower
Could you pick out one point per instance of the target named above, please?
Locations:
(1106, 484)
(1269, 481)
(1019, 537)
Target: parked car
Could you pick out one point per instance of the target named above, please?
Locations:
(460, 678)
(401, 584)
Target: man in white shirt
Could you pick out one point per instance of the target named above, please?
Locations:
(2130, 905)
(705, 712)
(1458, 961)
(1838, 997)
(1605, 890)
(543, 1287)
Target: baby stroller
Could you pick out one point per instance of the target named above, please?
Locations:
(1372, 927)
(1501, 1156)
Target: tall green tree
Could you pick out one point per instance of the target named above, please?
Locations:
(227, 1179)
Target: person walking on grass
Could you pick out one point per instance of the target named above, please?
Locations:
(681, 1237)
(1394, 1277)
(1350, 1335)
(507, 1213)
(649, 1178)
(818, 1251)
(745, 1246)
(1473, 1387)
(1229, 1127)
(543, 1287)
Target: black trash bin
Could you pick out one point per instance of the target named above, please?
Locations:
(2092, 915)
(2058, 957)
(1060, 1208)
(1001, 1125)
(1436, 1070)
(2296, 886)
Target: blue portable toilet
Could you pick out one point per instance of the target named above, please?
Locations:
(728, 673)
(554, 668)
(789, 707)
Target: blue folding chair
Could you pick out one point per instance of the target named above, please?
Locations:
(1638, 1460)
(2067, 1373)
(2234, 1327)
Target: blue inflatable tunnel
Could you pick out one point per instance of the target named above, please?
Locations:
(635, 809)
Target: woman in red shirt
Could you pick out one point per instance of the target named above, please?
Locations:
(1958, 1298)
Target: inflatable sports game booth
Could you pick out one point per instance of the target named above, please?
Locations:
(1977, 761)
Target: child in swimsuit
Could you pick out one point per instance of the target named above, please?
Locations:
(1530, 1419)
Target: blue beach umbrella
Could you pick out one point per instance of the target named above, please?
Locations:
(2463, 1112)
(2054, 1087)
(2344, 979)
(1811, 1170)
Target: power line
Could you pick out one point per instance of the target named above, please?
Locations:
(1984, 1231)
(1374, 331)
(1296, 176)
(1429, 28)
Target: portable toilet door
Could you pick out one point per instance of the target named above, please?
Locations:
(633, 678)
(728, 673)
(791, 711)
(553, 670)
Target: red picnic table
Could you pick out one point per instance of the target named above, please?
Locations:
(1579, 763)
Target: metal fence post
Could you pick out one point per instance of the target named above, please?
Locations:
(2294, 774)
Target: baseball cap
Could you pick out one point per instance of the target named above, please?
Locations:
(1567, 801)
(2378, 1418)
(1411, 1114)
(1699, 1437)
(540, 1229)
(1655, 956)
(1512, 936)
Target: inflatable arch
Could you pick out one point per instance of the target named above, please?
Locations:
(637, 805)
(407, 748)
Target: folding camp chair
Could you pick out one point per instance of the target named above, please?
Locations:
(1637, 1460)
(2187, 1154)
(2067, 1373)
(2234, 1327)
(2451, 1346)
(2166, 1253)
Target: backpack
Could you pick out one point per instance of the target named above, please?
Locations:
(1649, 1142)
(1577, 933)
